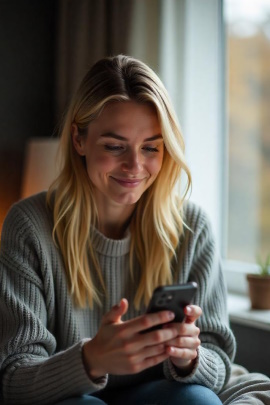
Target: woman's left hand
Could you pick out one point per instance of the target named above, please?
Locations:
(183, 348)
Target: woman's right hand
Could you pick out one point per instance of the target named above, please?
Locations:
(119, 347)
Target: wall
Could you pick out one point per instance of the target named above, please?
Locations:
(253, 350)
(26, 86)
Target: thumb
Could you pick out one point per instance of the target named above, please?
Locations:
(117, 311)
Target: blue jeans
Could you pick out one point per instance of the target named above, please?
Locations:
(160, 392)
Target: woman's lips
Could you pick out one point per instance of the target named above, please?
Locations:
(130, 183)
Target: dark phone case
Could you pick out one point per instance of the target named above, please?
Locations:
(173, 298)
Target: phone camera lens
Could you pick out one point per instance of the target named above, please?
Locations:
(169, 298)
(164, 299)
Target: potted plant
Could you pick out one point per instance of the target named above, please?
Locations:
(259, 285)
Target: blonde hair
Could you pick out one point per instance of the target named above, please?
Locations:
(157, 222)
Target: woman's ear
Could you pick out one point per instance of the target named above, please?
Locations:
(77, 140)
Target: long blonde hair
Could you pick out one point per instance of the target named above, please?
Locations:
(157, 222)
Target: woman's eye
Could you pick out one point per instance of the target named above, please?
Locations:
(113, 148)
(150, 149)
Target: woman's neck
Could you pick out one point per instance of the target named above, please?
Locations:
(114, 224)
(113, 231)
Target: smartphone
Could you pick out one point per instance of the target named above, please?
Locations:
(173, 298)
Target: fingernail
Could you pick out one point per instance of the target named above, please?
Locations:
(171, 349)
(188, 309)
(171, 315)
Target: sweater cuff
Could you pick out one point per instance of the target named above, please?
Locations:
(209, 370)
(60, 376)
(171, 372)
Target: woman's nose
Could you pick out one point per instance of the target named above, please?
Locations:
(133, 162)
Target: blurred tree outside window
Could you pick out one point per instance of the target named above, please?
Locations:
(247, 25)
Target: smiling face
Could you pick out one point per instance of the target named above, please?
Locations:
(123, 150)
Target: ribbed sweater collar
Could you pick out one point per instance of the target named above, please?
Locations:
(110, 247)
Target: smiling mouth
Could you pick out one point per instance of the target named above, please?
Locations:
(128, 182)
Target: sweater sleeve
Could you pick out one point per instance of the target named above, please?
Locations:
(32, 369)
(198, 261)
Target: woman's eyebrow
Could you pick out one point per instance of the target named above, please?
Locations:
(122, 138)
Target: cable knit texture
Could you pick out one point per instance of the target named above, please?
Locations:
(42, 333)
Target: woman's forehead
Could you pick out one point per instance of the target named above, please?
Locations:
(127, 115)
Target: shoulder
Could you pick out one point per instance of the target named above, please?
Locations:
(198, 232)
(36, 201)
(26, 239)
(197, 254)
(31, 212)
(195, 217)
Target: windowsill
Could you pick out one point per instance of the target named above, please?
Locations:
(241, 313)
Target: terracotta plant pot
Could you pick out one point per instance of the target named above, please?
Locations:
(259, 291)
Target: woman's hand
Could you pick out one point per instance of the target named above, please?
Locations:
(183, 348)
(120, 347)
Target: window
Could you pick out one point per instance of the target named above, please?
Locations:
(247, 25)
(214, 58)
(224, 112)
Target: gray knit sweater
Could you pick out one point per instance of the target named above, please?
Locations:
(42, 333)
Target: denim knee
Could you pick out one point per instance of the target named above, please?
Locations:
(84, 400)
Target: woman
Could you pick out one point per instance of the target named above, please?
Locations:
(79, 264)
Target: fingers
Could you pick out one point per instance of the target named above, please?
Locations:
(185, 342)
(120, 347)
(142, 323)
(157, 337)
(132, 340)
(146, 322)
(181, 357)
(147, 363)
(187, 337)
(147, 352)
(192, 312)
(183, 349)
